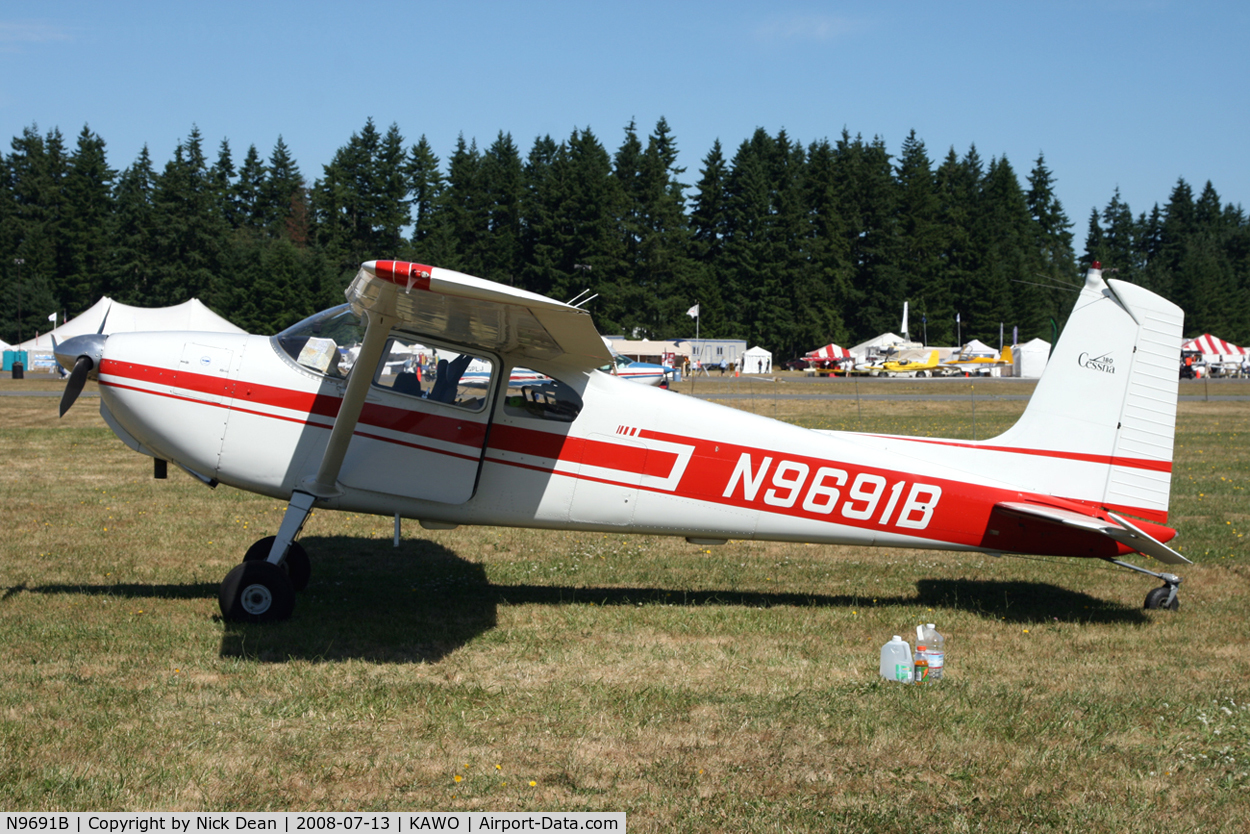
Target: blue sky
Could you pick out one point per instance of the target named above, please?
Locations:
(1127, 93)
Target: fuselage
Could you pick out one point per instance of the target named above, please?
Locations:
(238, 410)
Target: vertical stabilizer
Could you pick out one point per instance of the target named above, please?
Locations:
(1107, 400)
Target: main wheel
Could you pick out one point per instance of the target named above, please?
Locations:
(296, 564)
(1158, 598)
(256, 592)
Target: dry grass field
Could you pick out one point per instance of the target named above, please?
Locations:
(696, 688)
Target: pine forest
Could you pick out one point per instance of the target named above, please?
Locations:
(786, 245)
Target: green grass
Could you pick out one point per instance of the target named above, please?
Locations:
(696, 688)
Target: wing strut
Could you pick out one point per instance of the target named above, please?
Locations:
(325, 483)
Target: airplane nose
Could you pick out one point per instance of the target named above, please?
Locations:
(83, 355)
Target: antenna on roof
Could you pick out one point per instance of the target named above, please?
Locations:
(586, 301)
(579, 295)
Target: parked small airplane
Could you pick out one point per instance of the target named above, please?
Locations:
(645, 372)
(969, 363)
(908, 367)
(296, 418)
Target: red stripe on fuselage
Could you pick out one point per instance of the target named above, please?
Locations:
(622, 457)
(1130, 463)
(405, 421)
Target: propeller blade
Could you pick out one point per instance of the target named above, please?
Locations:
(77, 379)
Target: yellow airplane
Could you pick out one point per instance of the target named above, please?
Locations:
(908, 367)
(973, 363)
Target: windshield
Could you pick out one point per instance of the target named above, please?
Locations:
(326, 343)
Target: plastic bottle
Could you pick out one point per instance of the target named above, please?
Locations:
(896, 661)
(935, 649)
(921, 674)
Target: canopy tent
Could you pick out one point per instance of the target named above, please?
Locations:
(886, 343)
(1214, 349)
(757, 361)
(828, 353)
(1029, 359)
(122, 318)
(1220, 358)
(976, 349)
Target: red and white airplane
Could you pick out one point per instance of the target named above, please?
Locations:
(322, 416)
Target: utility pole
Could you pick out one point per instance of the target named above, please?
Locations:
(19, 262)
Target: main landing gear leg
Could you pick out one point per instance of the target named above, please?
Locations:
(1164, 597)
(262, 589)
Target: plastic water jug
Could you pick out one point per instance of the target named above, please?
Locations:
(934, 649)
(896, 661)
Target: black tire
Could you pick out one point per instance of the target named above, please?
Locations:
(922, 374)
(1158, 599)
(256, 592)
(296, 564)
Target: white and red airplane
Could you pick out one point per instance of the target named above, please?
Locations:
(581, 449)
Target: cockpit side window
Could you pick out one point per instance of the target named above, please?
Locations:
(540, 397)
(411, 368)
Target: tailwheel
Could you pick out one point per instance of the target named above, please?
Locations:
(256, 592)
(1164, 597)
(296, 562)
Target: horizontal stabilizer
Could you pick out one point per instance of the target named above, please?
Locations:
(1119, 529)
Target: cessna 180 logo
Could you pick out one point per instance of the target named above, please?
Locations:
(1102, 363)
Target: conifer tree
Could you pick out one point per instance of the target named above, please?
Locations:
(921, 238)
(709, 229)
(866, 193)
(655, 231)
(247, 191)
(502, 188)
(747, 251)
(37, 169)
(221, 177)
(282, 197)
(1053, 294)
(351, 220)
(88, 210)
(1009, 255)
(1175, 232)
(827, 246)
(425, 184)
(390, 207)
(129, 263)
(461, 210)
(189, 235)
(542, 237)
(959, 190)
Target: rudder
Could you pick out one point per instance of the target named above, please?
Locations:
(1108, 398)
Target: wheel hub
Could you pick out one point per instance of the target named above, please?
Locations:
(256, 599)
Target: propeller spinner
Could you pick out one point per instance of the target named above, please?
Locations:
(83, 354)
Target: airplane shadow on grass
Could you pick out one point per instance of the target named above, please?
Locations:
(420, 602)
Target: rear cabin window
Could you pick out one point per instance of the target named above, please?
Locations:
(539, 397)
(411, 368)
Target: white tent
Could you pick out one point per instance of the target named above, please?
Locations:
(879, 345)
(977, 350)
(122, 318)
(1028, 360)
(757, 361)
